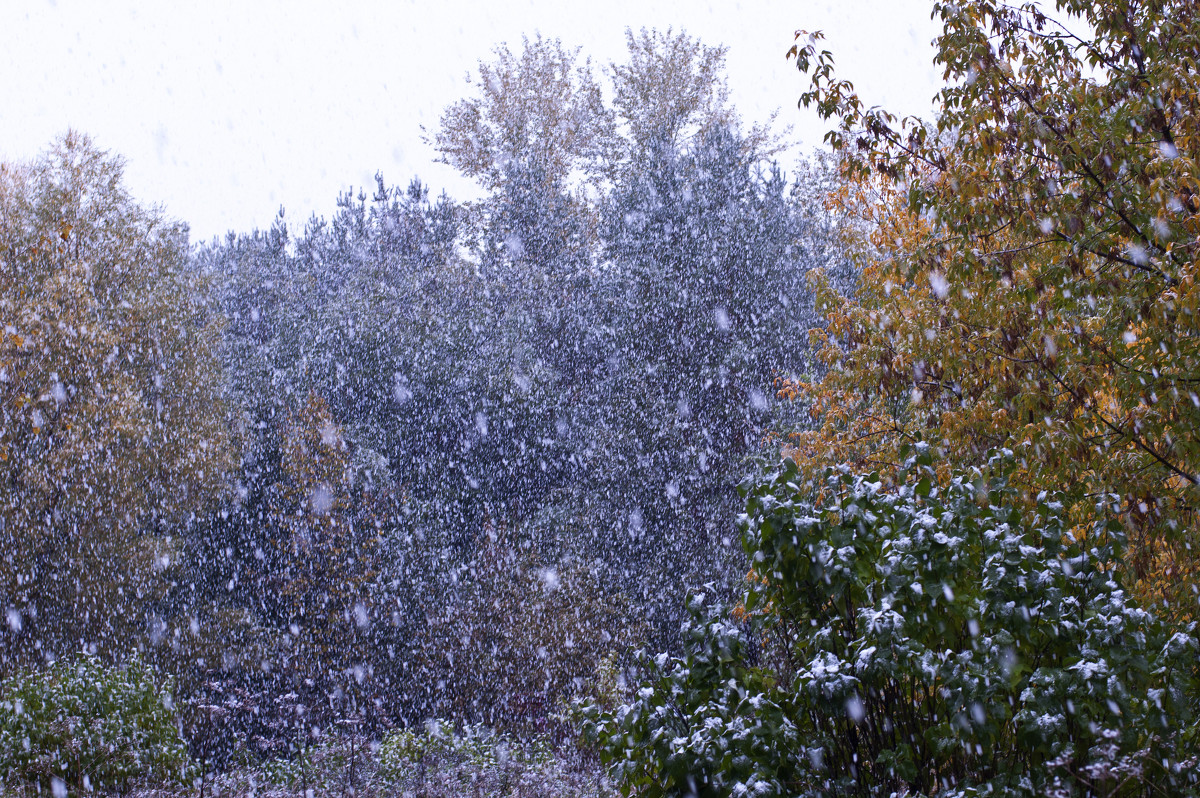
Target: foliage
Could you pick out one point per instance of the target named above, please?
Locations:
(542, 381)
(539, 109)
(340, 762)
(517, 637)
(543, 111)
(706, 305)
(671, 89)
(473, 757)
(283, 600)
(112, 430)
(477, 746)
(317, 578)
(322, 506)
(1031, 279)
(917, 640)
(81, 725)
(434, 760)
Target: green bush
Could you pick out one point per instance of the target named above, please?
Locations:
(83, 726)
(915, 641)
(476, 748)
(403, 748)
(473, 754)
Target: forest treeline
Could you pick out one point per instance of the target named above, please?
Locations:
(420, 457)
(434, 459)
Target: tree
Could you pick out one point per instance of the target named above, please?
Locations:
(112, 429)
(513, 635)
(707, 304)
(322, 562)
(1031, 278)
(539, 109)
(671, 89)
(543, 112)
(672, 92)
(524, 363)
(79, 726)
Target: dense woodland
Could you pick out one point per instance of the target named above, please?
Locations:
(902, 437)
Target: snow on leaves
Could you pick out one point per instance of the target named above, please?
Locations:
(1027, 671)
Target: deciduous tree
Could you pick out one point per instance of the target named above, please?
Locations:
(112, 428)
(1031, 275)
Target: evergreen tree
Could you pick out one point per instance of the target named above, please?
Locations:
(708, 305)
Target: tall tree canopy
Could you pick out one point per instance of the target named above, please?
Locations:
(112, 429)
(1031, 277)
(542, 108)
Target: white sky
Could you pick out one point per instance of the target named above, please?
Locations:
(225, 111)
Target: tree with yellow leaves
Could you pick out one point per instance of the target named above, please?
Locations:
(112, 428)
(1029, 266)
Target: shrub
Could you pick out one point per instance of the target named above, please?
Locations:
(474, 755)
(435, 760)
(81, 725)
(956, 640)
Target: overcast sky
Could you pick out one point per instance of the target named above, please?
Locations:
(226, 111)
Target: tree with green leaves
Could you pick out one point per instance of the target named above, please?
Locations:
(707, 304)
(79, 726)
(672, 91)
(915, 640)
(540, 108)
